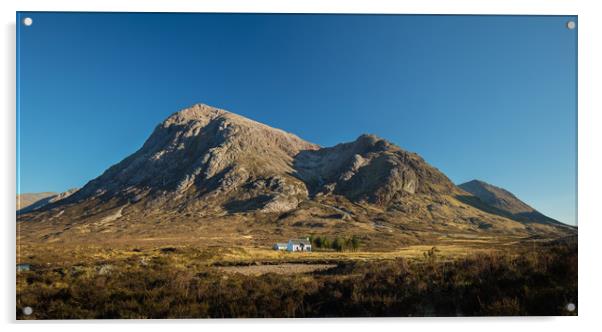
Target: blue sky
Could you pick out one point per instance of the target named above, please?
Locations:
(479, 97)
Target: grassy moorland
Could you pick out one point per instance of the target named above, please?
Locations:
(191, 282)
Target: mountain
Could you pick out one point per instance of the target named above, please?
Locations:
(204, 154)
(28, 202)
(206, 173)
(27, 199)
(503, 202)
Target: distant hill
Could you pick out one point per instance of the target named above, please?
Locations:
(206, 172)
(32, 201)
(27, 199)
(505, 203)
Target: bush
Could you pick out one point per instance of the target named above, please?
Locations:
(338, 244)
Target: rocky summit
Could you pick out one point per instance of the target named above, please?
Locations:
(205, 169)
(204, 154)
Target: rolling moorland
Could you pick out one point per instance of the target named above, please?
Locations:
(184, 226)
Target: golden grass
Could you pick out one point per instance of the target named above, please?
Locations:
(194, 254)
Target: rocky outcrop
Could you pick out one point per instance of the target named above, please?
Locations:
(369, 169)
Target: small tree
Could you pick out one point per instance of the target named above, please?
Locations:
(325, 242)
(318, 242)
(355, 242)
(338, 244)
(347, 242)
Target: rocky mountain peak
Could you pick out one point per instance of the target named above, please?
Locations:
(197, 112)
(203, 152)
(370, 142)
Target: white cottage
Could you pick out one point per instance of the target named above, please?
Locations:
(298, 245)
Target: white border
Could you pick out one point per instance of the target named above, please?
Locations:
(590, 141)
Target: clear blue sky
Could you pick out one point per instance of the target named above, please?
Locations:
(485, 97)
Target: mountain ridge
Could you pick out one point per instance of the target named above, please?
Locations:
(204, 164)
(28, 202)
(505, 201)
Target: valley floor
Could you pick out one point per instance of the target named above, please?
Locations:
(460, 276)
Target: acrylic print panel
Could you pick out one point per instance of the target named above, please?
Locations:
(273, 165)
